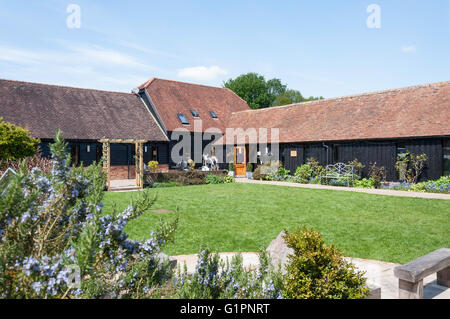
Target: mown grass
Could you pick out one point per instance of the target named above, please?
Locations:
(246, 217)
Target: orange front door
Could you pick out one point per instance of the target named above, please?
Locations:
(240, 160)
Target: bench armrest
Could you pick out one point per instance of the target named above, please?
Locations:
(424, 266)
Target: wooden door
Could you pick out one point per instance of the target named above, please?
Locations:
(240, 160)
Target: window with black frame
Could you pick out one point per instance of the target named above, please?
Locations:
(401, 150)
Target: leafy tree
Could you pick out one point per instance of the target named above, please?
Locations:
(289, 97)
(259, 93)
(275, 87)
(254, 89)
(313, 98)
(16, 142)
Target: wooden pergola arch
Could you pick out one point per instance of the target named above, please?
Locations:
(139, 161)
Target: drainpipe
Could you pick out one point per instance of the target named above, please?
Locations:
(326, 146)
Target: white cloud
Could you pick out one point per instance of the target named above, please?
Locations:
(202, 73)
(80, 65)
(73, 54)
(408, 48)
(14, 55)
(152, 51)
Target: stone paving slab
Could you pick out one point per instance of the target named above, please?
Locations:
(378, 273)
(350, 189)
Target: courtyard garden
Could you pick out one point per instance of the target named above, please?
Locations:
(244, 217)
(63, 236)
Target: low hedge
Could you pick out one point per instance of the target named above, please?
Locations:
(181, 178)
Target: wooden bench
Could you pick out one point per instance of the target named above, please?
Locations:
(339, 171)
(410, 276)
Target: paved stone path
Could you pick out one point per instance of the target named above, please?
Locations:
(350, 189)
(378, 273)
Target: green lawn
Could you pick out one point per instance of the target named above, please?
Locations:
(246, 217)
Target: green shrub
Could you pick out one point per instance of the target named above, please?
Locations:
(231, 166)
(318, 271)
(228, 179)
(304, 173)
(213, 179)
(257, 174)
(364, 183)
(181, 178)
(317, 169)
(190, 178)
(410, 166)
(163, 185)
(249, 167)
(268, 169)
(16, 142)
(283, 173)
(442, 185)
(357, 168)
(309, 172)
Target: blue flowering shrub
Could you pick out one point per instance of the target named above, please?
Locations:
(281, 174)
(55, 242)
(442, 185)
(214, 279)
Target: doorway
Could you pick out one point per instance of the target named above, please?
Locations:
(240, 160)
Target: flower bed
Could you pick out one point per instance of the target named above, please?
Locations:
(310, 174)
(181, 178)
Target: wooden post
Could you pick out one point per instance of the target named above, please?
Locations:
(141, 165)
(106, 163)
(136, 161)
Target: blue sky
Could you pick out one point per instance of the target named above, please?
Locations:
(317, 47)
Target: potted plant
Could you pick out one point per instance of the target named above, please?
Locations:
(231, 169)
(153, 166)
(249, 170)
(191, 164)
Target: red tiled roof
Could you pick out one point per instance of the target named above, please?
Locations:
(172, 97)
(79, 113)
(418, 111)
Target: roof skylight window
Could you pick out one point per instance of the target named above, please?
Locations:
(194, 113)
(183, 118)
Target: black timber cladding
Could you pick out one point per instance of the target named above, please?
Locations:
(383, 153)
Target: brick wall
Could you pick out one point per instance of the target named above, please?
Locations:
(163, 168)
(121, 171)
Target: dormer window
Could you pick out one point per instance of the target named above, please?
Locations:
(183, 118)
(194, 113)
(213, 115)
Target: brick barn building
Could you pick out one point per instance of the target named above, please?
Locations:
(372, 127)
